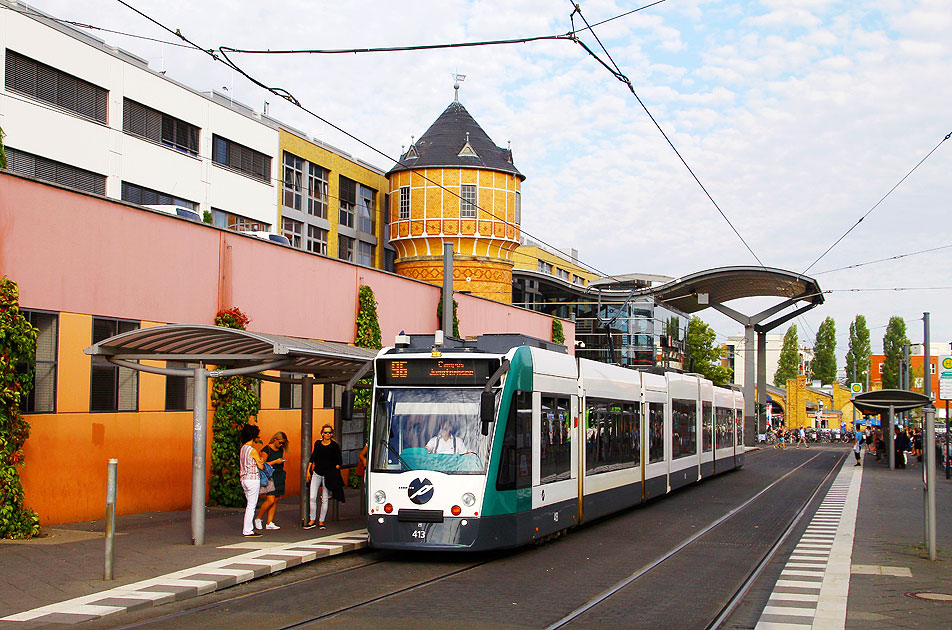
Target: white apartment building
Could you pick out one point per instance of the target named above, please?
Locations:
(736, 347)
(84, 114)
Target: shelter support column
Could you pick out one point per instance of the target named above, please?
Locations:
(307, 418)
(751, 422)
(761, 377)
(199, 425)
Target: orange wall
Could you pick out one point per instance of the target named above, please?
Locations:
(84, 256)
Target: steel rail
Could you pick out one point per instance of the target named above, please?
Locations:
(604, 595)
(741, 592)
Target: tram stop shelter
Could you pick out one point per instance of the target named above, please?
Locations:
(234, 352)
(889, 401)
(714, 287)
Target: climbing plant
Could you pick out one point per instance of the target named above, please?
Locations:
(235, 403)
(17, 362)
(3, 153)
(439, 315)
(368, 336)
(558, 333)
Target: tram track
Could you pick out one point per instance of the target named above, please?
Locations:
(403, 580)
(740, 592)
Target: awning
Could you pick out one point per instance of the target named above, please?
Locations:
(230, 348)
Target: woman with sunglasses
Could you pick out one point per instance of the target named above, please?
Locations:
(323, 469)
(273, 454)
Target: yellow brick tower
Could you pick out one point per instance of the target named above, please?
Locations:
(455, 185)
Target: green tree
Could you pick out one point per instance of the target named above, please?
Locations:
(824, 352)
(893, 341)
(439, 315)
(558, 333)
(704, 357)
(368, 336)
(3, 153)
(789, 364)
(857, 357)
(17, 362)
(235, 403)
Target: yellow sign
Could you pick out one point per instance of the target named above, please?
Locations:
(856, 388)
(947, 363)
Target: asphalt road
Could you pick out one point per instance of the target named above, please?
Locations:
(535, 587)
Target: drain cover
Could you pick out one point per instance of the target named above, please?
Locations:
(932, 597)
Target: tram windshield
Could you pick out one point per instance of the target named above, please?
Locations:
(429, 429)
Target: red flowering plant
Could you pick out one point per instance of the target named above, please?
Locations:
(236, 403)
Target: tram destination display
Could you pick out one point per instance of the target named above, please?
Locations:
(435, 371)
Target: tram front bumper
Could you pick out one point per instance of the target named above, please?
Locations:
(453, 534)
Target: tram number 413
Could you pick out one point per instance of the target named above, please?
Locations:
(419, 533)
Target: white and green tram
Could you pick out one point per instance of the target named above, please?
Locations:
(509, 440)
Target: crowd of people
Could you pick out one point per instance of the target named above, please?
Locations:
(908, 441)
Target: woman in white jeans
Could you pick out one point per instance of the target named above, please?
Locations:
(325, 460)
(250, 463)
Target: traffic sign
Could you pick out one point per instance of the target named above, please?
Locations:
(945, 377)
(856, 388)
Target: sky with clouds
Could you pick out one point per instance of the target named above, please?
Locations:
(796, 115)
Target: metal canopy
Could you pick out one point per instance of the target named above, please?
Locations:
(732, 283)
(714, 287)
(880, 401)
(234, 352)
(231, 348)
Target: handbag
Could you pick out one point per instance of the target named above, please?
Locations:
(265, 475)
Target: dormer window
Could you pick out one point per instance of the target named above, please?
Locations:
(412, 153)
(467, 150)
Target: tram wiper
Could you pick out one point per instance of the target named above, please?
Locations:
(394, 451)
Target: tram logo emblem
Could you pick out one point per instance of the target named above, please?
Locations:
(420, 490)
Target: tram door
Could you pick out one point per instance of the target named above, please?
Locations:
(656, 429)
(555, 460)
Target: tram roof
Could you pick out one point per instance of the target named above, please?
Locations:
(732, 283)
(232, 348)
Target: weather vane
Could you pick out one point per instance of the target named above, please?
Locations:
(456, 81)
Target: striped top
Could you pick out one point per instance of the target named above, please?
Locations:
(249, 467)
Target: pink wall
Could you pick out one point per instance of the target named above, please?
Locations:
(85, 254)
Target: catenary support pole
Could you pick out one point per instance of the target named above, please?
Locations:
(927, 457)
(928, 462)
(307, 419)
(112, 469)
(447, 289)
(199, 423)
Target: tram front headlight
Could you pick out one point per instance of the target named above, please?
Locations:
(380, 497)
(469, 499)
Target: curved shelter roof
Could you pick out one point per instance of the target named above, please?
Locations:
(732, 283)
(231, 348)
(443, 144)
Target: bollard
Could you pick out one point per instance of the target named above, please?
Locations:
(112, 470)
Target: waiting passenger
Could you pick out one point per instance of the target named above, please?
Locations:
(446, 443)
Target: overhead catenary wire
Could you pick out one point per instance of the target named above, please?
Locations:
(618, 74)
(222, 56)
(872, 262)
(876, 205)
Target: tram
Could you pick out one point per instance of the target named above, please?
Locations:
(509, 440)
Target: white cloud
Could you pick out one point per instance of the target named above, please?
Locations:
(797, 119)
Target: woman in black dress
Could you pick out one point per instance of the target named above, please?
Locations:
(273, 454)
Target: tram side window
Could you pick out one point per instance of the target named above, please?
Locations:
(739, 428)
(655, 432)
(707, 426)
(612, 436)
(723, 427)
(556, 440)
(684, 426)
(515, 461)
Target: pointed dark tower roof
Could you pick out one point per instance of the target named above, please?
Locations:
(455, 140)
